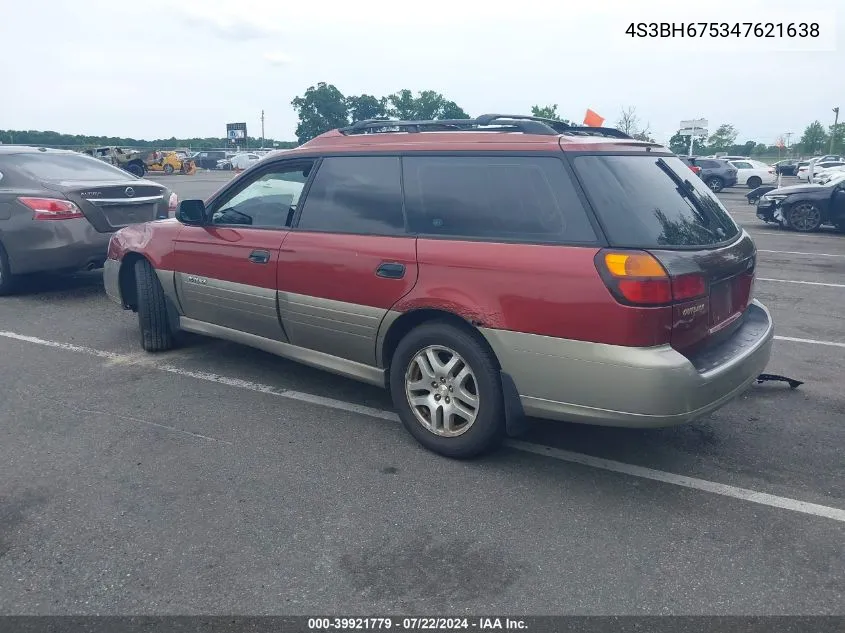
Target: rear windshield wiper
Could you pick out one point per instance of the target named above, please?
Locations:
(686, 189)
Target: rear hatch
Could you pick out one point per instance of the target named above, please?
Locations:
(110, 206)
(677, 244)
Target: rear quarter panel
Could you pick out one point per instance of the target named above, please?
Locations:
(548, 290)
(153, 240)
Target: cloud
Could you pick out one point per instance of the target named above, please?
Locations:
(276, 58)
(228, 22)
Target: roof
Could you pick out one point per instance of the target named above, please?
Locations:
(27, 149)
(492, 132)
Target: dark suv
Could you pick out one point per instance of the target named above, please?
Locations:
(716, 173)
(479, 269)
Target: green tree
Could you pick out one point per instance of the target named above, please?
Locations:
(814, 138)
(363, 107)
(758, 149)
(722, 139)
(679, 144)
(548, 112)
(322, 108)
(837, 132)
(80, 141)
(427, 105)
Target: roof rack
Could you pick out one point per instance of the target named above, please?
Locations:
(524, 123)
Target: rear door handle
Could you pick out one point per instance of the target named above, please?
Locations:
(259, 257)
(391, 270)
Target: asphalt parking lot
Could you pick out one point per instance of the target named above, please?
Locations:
(217, 479)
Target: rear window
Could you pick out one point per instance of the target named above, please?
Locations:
(57, 167)
(496, 198)
(709, 164)
(642, 205)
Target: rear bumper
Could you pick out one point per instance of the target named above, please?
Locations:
(111, 280)
(612, 385)
(53, 245)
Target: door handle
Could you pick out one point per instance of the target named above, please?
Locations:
(390, 270)
(259, 257)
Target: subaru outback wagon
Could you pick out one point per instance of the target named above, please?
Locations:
(482, 270)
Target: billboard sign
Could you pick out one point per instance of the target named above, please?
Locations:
(236, 132)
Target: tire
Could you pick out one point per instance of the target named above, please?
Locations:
(156, 334)
(716, 184)
(135, 169)
(467, 437)
(7, 280)
(754, 182)
(804, 217)
(168, 169)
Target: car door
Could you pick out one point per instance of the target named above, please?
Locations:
(348, 259)
(837, 205)
(226, 270)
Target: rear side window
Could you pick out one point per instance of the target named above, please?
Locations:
(708, 164)
(509, 198)
(642, 205)
(355, 194)
(57, 167)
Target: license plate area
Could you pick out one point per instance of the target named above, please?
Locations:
(120, 216)
(723, 302)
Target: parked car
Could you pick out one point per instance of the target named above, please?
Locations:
(820, 168)
(244, 160)
(690, 162)
(819, 163)
(806, 208)
(717, 173)
(787, 167)
(208, 159)
(504, 267)
(826, 174)
(58, 210)
(753, 173)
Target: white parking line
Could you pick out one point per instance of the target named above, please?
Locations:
(641, 472)
(762, 250)
(808, 283)
(809, 341)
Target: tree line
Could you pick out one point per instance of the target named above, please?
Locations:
(324, 107)
(815, 140)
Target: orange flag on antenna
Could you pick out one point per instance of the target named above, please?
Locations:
(592, 119)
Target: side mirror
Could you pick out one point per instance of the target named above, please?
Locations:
(191, 212)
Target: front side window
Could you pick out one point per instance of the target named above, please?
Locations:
(355, 194)
(528, 199)
(266, 202)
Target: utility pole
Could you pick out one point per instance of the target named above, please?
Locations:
(833, 131)
(262, 129)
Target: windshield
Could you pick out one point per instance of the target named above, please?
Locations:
(651, 202)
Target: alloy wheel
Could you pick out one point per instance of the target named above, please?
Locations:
(442, 391)
(805, 217)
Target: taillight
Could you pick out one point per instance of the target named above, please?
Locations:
(638, 278)
(52, 208)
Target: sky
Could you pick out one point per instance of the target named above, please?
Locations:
(185, 68)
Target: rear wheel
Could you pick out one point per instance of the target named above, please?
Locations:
(168, 169)
(446, 387)
(7, 281)
(754, 182)
(804, 217)
(156, 334)
(135, 169)
(716, 184)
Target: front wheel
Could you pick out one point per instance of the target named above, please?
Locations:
(7, 282)
(716, 184)
(446, 387)
(754, 182)
(168, 169)
(156, 333)
(804, 217)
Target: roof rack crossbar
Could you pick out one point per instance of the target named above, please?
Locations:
(524, 123)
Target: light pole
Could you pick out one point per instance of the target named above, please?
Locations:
(833, 131)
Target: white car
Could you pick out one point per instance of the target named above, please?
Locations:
(823, 175)
(244, 160)
(820, 162)
(753, 173)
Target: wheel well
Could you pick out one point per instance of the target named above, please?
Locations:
(408, 321)
(126, 279)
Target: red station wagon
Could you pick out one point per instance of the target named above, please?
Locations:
(482, 270)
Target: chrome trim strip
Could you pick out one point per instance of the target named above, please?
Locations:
(320, 360)
(114, 202)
